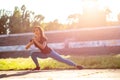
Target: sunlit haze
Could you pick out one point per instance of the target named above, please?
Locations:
(61, 9)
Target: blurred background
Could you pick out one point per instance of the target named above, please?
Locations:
(19, 16)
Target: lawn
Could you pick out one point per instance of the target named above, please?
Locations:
(91, 62)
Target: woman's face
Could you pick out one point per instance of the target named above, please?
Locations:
(36, 31)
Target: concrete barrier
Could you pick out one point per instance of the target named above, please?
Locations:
(85, 41)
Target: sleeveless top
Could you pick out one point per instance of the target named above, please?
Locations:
(46, 50)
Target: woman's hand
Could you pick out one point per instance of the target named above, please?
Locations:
(36, 41)
(29, 44)
(37, 38)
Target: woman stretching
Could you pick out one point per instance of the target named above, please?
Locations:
(40, 41)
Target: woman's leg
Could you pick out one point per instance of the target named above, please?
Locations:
(34, 56)
(57, 57)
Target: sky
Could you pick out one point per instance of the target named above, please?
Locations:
(59, 9)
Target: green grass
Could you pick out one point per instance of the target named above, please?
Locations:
(91, 62)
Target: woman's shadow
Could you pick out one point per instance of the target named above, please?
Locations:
(20, 73)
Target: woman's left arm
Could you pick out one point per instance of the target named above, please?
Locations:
(42, 46)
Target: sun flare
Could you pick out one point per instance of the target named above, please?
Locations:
(112, 5)
(61, 9)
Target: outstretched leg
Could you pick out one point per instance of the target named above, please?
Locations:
(57, 57)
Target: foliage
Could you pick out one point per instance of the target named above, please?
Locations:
(21, 20)
(3, 22)
(91, 62)
(15, 21)
(18, 22)
(119, 17)
(55, 25)
(38, 19)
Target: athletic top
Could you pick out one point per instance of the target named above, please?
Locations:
(46, 50)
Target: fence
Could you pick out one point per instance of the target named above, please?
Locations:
(85, 41)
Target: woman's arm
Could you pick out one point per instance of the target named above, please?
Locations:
(29, 44)
(42, 46)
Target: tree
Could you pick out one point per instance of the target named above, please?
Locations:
(20, 20)
(27, 20)
(107, 13)
(118, 18)
(74, 18)
(38, 19)
(55, 25)
(3, 22)
(15, 21)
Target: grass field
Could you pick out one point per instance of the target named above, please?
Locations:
(91, 62)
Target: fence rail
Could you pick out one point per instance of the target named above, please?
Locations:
(103, 40)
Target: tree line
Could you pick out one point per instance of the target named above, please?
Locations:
(21, 20)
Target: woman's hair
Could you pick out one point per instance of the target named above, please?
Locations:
(41, 32)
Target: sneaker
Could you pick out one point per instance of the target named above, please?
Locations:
(37, 68)
(79, 67)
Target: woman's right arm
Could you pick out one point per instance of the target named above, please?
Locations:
(29, 44)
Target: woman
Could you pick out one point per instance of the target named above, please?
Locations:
(40, 41)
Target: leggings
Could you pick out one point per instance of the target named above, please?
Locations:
(53, 54)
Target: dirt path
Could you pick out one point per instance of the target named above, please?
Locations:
(85, 74)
